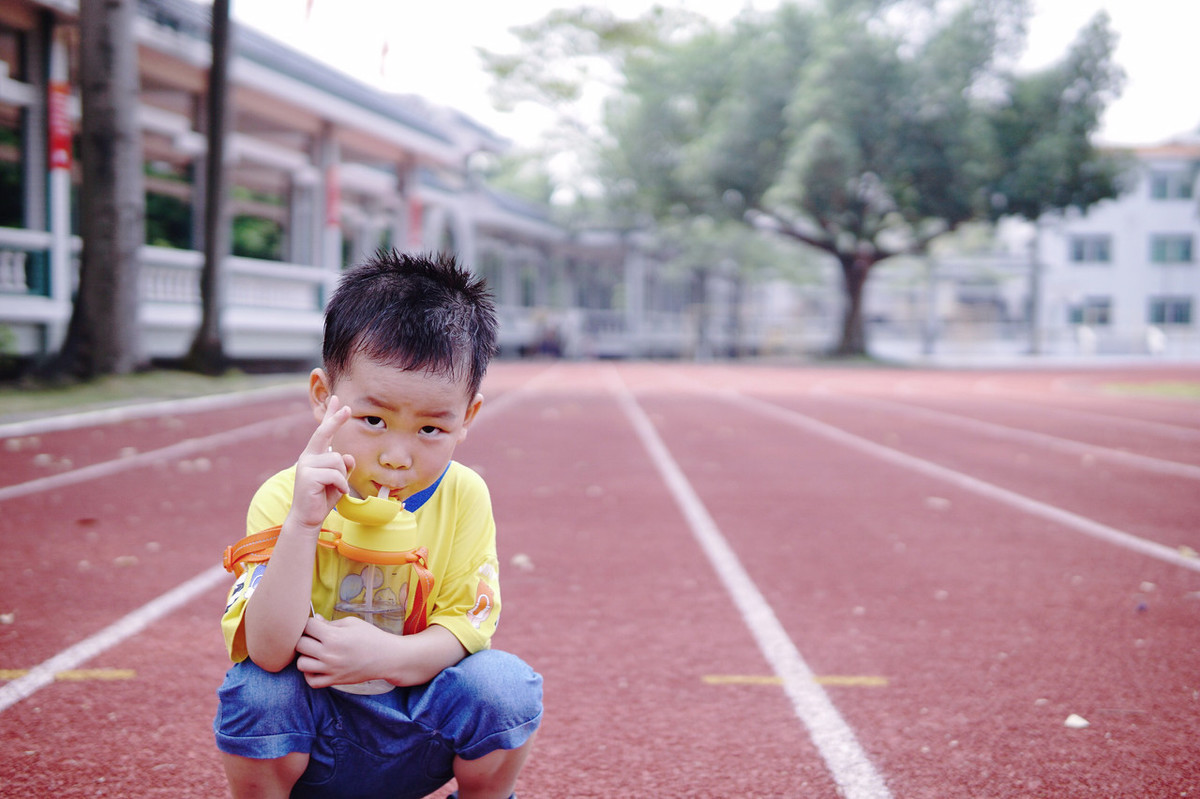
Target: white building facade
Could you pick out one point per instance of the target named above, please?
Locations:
(1123, 278)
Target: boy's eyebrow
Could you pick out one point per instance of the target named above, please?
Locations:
(378, 403)
(387, 406)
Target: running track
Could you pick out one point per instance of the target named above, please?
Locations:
(738, 581)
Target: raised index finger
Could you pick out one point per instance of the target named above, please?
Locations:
(336, 415)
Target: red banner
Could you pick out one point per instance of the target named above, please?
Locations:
(59, 124)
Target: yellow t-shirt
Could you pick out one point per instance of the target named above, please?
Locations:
(454, 524)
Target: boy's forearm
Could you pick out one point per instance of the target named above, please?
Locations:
(281, 604)
(421, 657)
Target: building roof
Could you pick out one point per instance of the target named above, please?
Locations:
(195, 20)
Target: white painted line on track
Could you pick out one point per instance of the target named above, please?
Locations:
(521, 392)
(1149, 426)
(144, 410)
(1131, 459)
(1032, 506)
(178, 450)
(848, 764)
(74, 656)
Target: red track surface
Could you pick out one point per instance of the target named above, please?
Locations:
(981, 622)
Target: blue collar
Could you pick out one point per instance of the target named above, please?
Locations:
(418, 499)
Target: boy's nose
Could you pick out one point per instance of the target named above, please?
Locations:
(395, 458)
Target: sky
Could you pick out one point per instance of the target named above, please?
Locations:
(429, 49)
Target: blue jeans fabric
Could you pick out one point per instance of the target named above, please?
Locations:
(398, 744)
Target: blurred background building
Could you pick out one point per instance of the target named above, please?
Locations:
(325, 170)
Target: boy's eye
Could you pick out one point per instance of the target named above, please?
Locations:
(373, 421)
(430, 430)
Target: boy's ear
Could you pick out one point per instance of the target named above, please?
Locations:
(472, 410)
(319, 392)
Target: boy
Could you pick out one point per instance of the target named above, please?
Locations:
(407, 342)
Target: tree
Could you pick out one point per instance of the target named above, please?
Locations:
(1043, 159)
(102, 337)
(568, 64)
(207, 353)
(861, 128)
(838, 128)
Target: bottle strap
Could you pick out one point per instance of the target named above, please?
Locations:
(255, 548)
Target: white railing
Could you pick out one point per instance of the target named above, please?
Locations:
(271, 308)
(173, 276)
(24, 261)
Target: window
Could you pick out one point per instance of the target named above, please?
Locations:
(1171, 249)
(1091, 249)
(1092, 311)
(1171, 185)
(1170, 311)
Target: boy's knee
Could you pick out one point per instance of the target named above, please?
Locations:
(505, 680)
(262, 714)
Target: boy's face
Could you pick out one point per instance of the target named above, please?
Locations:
(403, 425)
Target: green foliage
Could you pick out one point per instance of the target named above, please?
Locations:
(702, 243)
(863, 128)
(255, 237)
(570, 48)
(1043, 158)
(853, 131)
(523, 175)
(168, 221)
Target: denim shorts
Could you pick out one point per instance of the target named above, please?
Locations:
(398, 744)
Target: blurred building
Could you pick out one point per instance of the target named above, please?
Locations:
(1123, 278)
(323, 170)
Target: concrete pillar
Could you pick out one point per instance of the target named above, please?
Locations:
(328, 218)
(302, 212)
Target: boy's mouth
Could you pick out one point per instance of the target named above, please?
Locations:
(387, 492)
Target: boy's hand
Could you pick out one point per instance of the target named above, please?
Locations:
(322, 475)
(339, 652)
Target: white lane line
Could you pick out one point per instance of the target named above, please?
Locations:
(1070, 446)
(180, 449)
(1066, 518)
(521, 392)
(124, 413)
(848, 764)
(1173, 431)
(72, 657)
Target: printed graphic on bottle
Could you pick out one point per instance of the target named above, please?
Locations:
(377, 594)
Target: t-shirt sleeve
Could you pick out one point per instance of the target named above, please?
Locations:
(268, 508)
(468, 602)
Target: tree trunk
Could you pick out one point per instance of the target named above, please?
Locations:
(103, 335)
(855, 269)
(207, 353)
